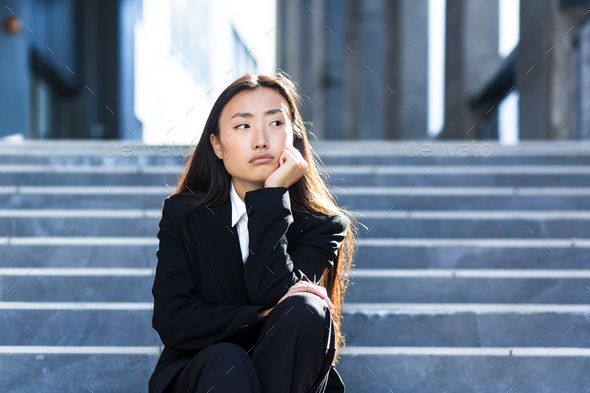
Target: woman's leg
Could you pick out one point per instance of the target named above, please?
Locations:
(220, 368)
(296, 346)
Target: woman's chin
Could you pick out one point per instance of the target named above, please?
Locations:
(261, 173)
(259, 180)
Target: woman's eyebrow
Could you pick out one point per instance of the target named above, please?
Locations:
(248, 114)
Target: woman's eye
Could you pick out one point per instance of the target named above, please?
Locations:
(276, 121)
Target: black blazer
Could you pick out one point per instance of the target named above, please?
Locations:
(203, 292)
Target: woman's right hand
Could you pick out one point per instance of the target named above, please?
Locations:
(303, 286)
(292, 166)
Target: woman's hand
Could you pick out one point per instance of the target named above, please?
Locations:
(292, 166)
(304, 286)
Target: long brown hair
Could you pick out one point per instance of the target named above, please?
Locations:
(205, 173)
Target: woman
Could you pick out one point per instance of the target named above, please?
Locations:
(251, 275)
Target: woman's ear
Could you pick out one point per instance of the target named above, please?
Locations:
(215, 143)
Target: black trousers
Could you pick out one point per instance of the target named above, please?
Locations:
(292, 354)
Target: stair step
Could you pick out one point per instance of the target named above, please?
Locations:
(468, 329)
(447, 256)
(341, 175)
(395, 224)
(52, 255)
(47, 372)
(503, 327)
(363, 289)
(480, 371)
(368, 370)
(125, 327)
(471, 272)
(378, 256)
(432, 198)
(97, 157)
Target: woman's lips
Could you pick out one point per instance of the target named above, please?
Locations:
(261, 160)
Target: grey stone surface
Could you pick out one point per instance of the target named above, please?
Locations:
(77, 288)
(126, 256)
(465, 174)
(471, 59)
(385, 226)
(77, 179)
(468, 290)
(87, 226)
(468, 179)
(583, 75)
(353, 60)
(92, 152)
(401, 201)
(412, 83)
(470, 176)
(485, 374)
(458, 202)
(78, 328)
(441, 257)
(397, 257)
(547, 103)
(447, 159)
(83, 201)
(467, 329)
(365, 289)
(445, 228)
(464, 329)
(388, 152)
(99, 373)
(361, 373)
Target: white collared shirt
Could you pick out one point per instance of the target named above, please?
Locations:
(239, 216)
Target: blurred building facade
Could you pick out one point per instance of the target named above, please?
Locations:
(364, 64)
(76, 69)
(187, 52)
(68, 69)
(146, 70)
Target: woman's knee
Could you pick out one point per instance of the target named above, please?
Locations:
(306, 307)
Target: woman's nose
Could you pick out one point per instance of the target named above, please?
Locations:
(260, 139)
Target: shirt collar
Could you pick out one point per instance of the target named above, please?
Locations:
(238, 207)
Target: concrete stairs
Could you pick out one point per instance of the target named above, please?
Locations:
(473, 273)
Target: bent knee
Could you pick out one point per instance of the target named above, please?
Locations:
(306, 306)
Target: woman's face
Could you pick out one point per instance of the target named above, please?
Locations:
(253, 122)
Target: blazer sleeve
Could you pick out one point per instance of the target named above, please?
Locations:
(270, 270)
(180, 317)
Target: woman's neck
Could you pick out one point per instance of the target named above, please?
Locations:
(242, 187)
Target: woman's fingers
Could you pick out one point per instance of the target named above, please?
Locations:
(292, 154)
(302, 286)
(312, 287)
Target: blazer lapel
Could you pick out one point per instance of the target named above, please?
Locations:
(221, 244)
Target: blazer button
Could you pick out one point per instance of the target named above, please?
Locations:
(249, 209)
(246, 328)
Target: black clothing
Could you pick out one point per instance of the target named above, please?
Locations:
(293, 353)
(205, 295)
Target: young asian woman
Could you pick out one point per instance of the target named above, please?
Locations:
(253, 255)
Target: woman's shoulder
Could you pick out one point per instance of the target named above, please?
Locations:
(182, 201)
